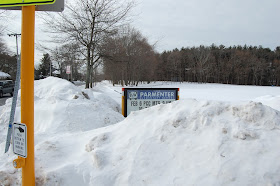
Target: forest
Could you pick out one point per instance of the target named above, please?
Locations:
(241, 65)
(130, 60)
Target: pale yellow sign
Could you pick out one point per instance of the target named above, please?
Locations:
(9, 3)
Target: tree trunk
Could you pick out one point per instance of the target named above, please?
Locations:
(88, 68)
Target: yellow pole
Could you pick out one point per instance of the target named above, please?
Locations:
(27, 90)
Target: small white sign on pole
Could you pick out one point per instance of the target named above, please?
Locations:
(68, 69)
(20, 139)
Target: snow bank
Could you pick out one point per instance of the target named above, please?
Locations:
(184, 143)
(270, 100)
(187, 142)
(60, 106)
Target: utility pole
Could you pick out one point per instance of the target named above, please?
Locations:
(16, 35)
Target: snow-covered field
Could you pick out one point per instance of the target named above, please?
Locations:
(214, 135)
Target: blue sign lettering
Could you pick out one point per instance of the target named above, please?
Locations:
(151, 94)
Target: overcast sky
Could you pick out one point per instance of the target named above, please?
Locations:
(186, 23)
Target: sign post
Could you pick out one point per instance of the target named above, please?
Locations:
(27, 90)
(26, 151)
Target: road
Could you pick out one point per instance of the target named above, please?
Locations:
(3, 99)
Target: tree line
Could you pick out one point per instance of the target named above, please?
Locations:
(127, 58)
(241, 65)
(130, 59)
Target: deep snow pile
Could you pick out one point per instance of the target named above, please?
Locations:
(187, 142)
(269, 100)
(60, 108)
(190, 143)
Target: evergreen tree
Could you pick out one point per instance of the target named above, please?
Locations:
(44, 67)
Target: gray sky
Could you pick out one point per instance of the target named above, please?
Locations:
(183, 23)
(186, 23)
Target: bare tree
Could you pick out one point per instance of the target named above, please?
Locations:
(174, 65)
(68, 54)
(3, 47)
(201, 57)
(128, 57)
(87, 22)
(4, 15)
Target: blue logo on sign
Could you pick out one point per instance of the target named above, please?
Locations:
(132, 95)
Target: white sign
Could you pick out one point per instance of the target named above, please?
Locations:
(138, 99)
(20, 139)
(134, 105)
(68, 69)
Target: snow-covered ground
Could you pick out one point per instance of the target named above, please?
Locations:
(214, 135)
